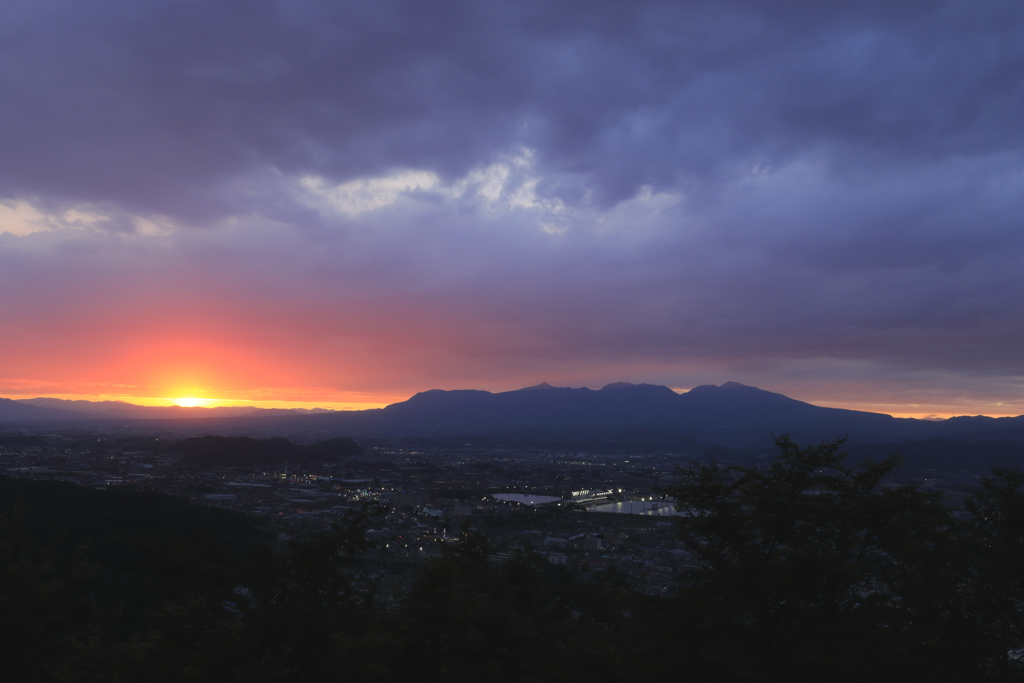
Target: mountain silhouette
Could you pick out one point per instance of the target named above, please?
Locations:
(731, 414)
(16, 411)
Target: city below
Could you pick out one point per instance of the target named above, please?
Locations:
(598, 509)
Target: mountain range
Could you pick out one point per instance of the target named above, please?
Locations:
(732, 414)
(64, 409)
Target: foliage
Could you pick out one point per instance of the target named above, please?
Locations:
(40, 606)
(807, 569)
(524, 619)
(810, 568)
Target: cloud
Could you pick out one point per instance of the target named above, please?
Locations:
(21, 218)
(407, 194)
(157, 104)
(356, 196)
(508, 185)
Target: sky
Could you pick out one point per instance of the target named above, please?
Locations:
(320, 202)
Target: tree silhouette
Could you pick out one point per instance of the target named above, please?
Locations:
(811, 569)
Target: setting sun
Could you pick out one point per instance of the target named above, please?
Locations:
(190, 402)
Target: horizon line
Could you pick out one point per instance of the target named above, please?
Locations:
(204, 403)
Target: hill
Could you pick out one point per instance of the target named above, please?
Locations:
(122, 410)
(732, 414)
(116, 532)
(16, 411)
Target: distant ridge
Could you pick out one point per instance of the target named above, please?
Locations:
(121, 410)
(731, 414)
(16, 411)
(538, 387)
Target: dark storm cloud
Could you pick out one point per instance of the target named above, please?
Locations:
(157, 105)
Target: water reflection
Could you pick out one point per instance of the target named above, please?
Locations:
(525, 498)
(638, 507)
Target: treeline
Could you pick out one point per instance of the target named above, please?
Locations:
(810, 571)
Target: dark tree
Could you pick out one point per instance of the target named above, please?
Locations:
(996, 568)
(41, 608)
(813, 570)
(468, 619)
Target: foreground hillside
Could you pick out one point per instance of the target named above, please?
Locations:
(859, 581)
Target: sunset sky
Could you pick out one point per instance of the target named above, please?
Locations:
(328, 203)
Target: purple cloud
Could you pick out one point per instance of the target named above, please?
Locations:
(497, 191)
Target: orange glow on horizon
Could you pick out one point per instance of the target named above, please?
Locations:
(357, 401)
(331, 403)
